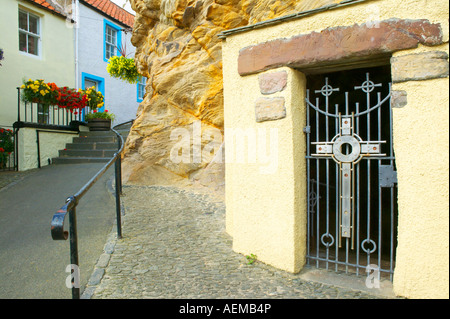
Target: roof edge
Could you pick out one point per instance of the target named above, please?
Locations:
(105, 14)
(293, 16)
(53, 11)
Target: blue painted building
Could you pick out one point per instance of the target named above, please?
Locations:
(103, 30)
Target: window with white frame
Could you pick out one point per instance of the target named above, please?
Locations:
(141, 87)
(29, 33)
(110, 41)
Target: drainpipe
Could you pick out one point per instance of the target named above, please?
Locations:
(76, 17)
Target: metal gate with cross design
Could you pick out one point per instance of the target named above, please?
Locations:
(351, 173)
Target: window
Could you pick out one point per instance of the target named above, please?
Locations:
(110, 41)
(90, 80)
(141, 88)
(90, 83)
(29, 34)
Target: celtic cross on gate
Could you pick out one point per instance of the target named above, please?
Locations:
(346, 148)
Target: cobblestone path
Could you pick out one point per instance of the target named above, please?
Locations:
(174, 245)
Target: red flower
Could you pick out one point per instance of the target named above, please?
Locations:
(106, 111)
(2, 149)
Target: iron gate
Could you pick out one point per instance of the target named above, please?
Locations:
(351, 175)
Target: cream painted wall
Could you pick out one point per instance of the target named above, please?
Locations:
(49, 144)
(421, 144)
(55, 64)
(259, 208)
(265, 196)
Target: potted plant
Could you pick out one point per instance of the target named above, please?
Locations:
(6, 146)
(38, 91)
(99, 121)
(71, 99)
(123, 68)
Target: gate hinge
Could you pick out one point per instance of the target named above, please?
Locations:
(307, 129)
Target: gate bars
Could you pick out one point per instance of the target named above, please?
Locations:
(335, 212)
(57, 224)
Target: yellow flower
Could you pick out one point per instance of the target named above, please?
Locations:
(23, 86)
(42, 92)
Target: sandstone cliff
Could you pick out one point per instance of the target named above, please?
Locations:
(178, 50)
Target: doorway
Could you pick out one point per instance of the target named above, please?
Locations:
(351, 176)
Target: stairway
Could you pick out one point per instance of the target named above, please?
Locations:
(124, 129)
(89, 147)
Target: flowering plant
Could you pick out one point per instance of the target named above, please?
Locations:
(100, 115)
(6, 145)
(123, 68)
(71, 99)
(39, 91)
(94, 97)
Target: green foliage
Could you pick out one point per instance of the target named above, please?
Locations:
(6, 145)
(123, 68)
(251, 259)
(100, 115)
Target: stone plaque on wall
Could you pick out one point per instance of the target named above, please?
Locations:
(269, 109)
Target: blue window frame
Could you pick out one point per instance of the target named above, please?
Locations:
(141, 88)
(112, 39)
(87, 80)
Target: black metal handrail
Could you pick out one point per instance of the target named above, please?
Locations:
(57, 224)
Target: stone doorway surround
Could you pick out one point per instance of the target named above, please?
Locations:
(264, 89)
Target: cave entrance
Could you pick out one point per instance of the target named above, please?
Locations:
(351, 177)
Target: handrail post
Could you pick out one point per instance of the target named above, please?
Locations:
(57, 224)
(119, 171)
(18, 104)
(74, 250)
(118, 186)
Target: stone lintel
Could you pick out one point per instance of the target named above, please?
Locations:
(339, 43)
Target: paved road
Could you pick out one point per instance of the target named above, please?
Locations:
(32, 265)
(174, 245)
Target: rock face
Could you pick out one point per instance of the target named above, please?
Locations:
(178, 50)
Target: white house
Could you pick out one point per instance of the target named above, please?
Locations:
(103, 30)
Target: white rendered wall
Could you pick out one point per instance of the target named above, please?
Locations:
(120, 96)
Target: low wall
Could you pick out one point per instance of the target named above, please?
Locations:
(49, 141)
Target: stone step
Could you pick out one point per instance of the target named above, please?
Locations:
(97, 133)
(94, 139)
(92, 146)
(87, 153)
(78, 160)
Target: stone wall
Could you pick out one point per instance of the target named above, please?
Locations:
(178, 50)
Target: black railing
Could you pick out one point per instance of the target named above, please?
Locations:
(33, 112)
(57, 224)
